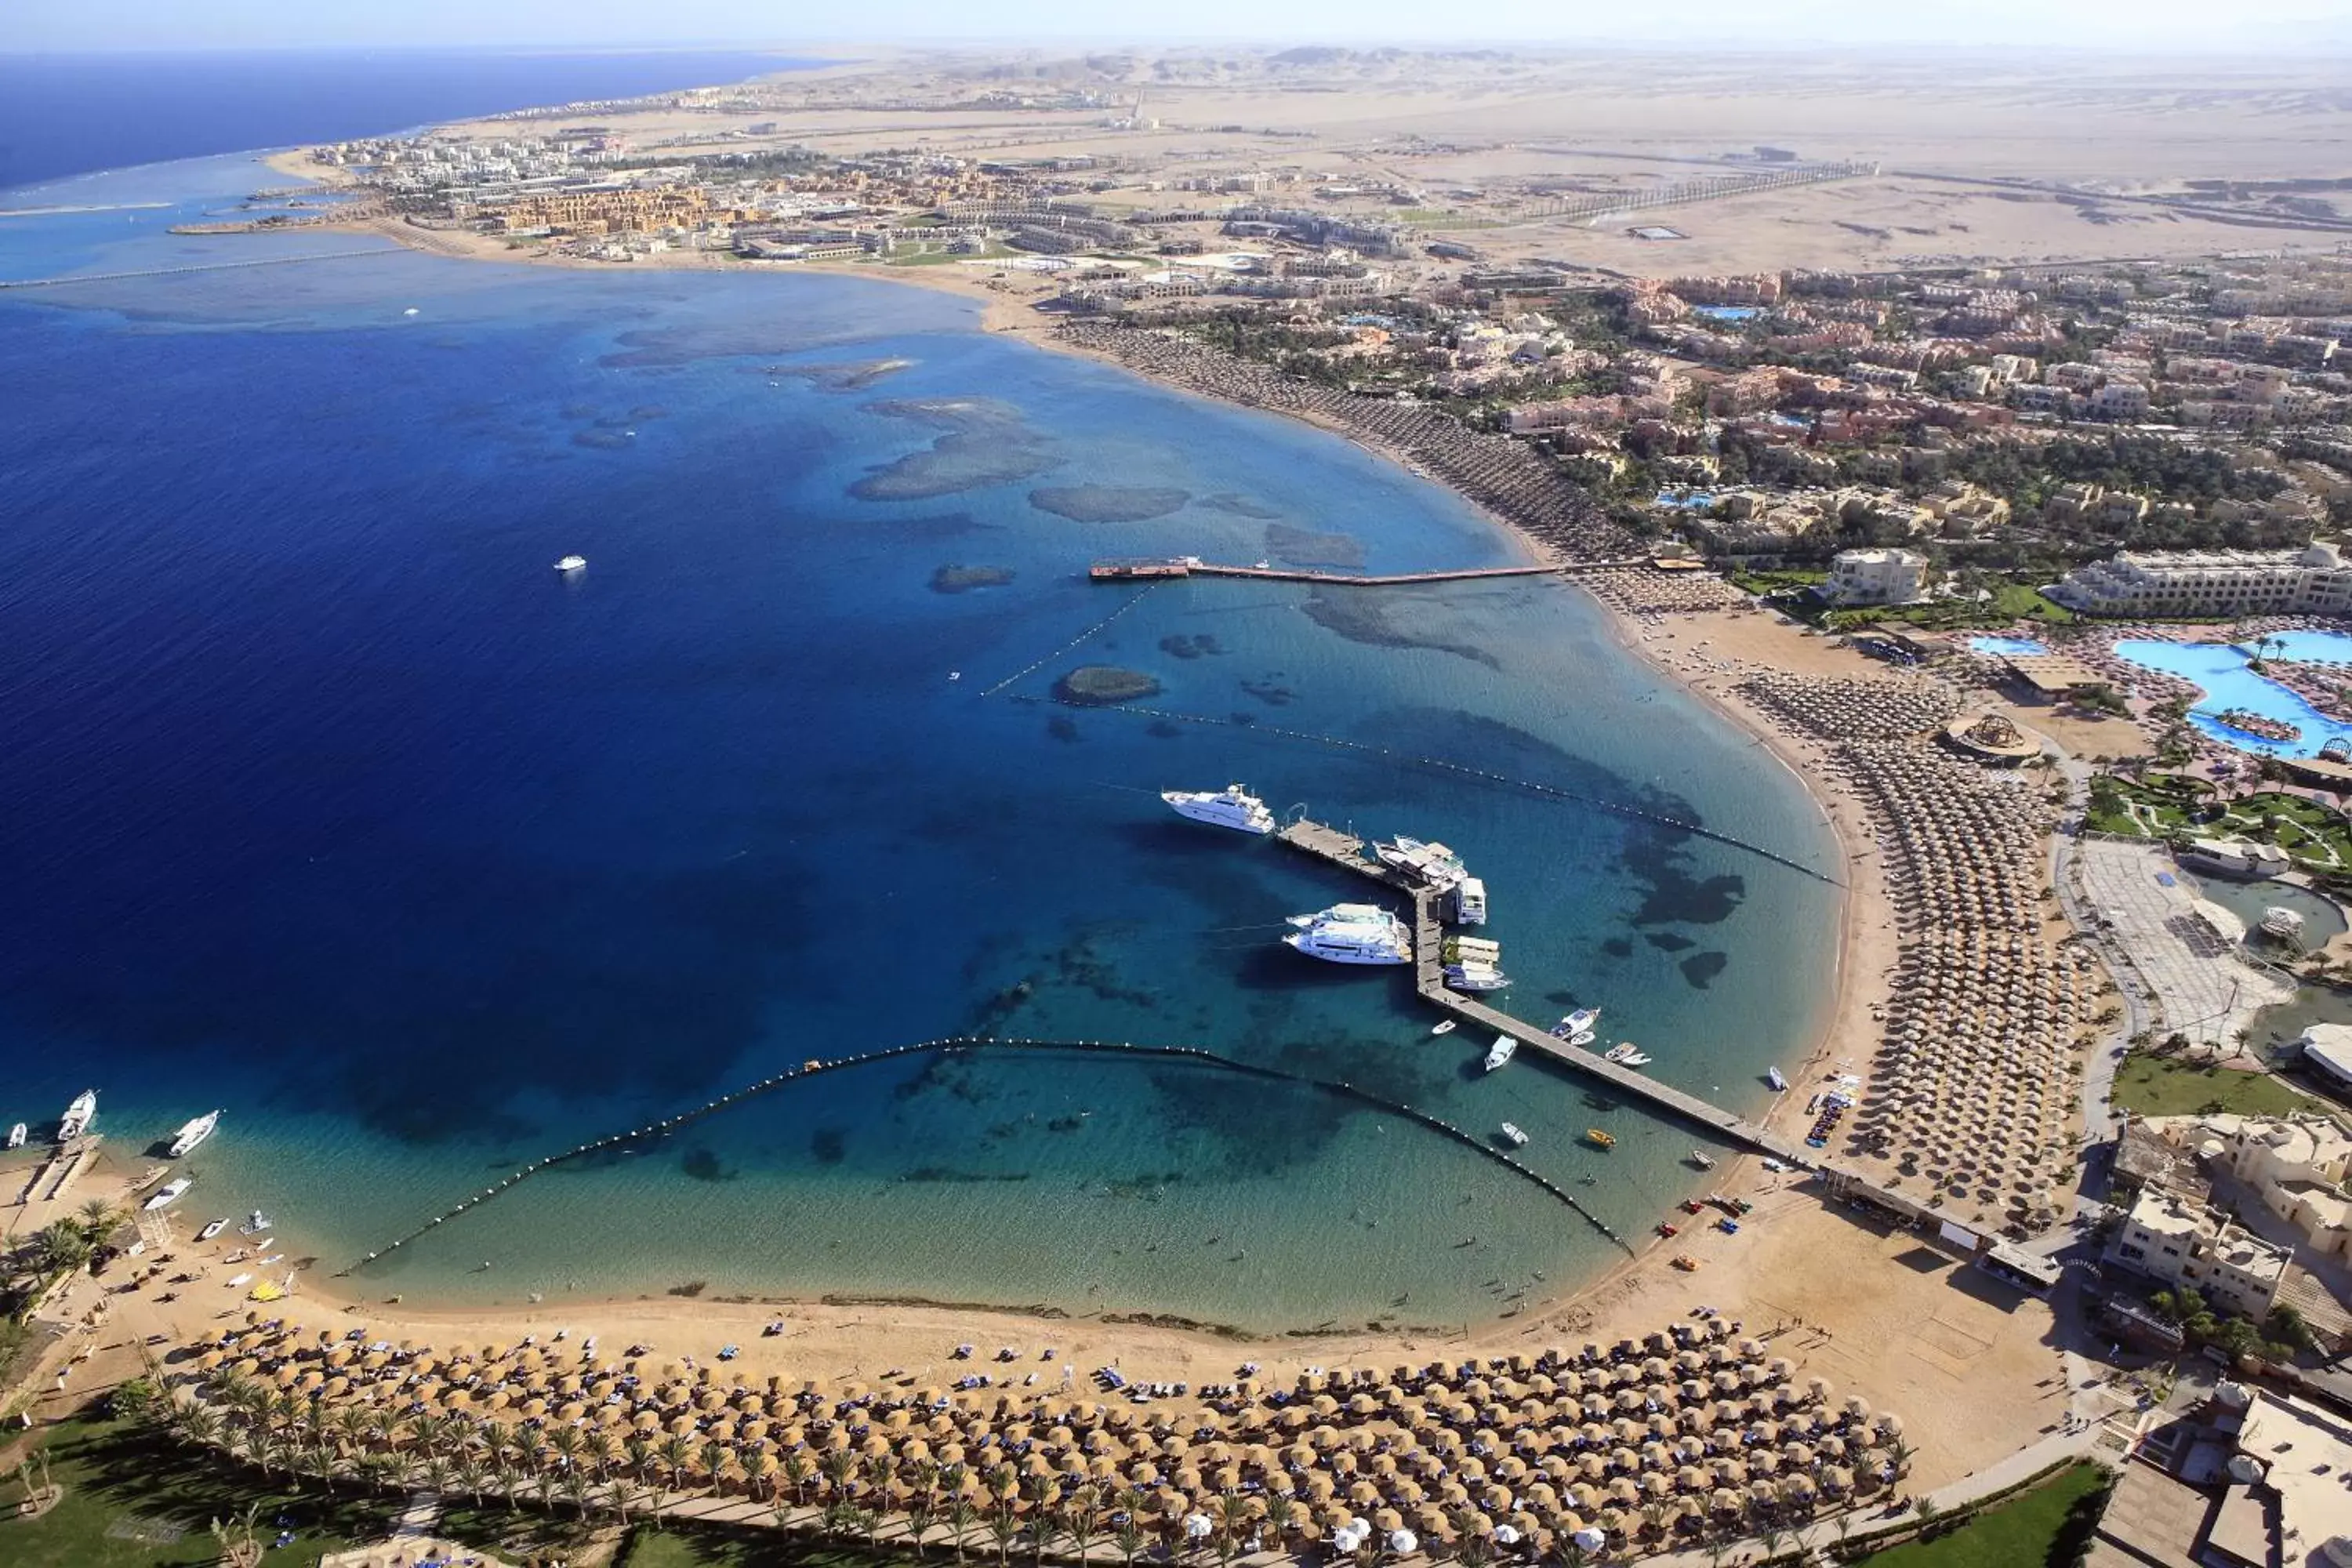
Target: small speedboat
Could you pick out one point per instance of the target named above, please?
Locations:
(1598, 1139)
(1702, 1159)
(170, 1193)
(17, 1136)
(212, 1230)
(1519, 1140)
(572, 564)
(1502, 1051)
(1625, 1053)
(255, 1224)
(1445, 1028)
(1581, 1020)
(1772, 1076)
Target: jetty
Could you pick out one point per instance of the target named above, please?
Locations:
(1345, 850)
(1193, 567)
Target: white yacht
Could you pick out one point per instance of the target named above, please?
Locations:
(1504, 1048)
(1355, 941)
(1625, 1053)
(78, 1115)
(212, 1230)
(1518, 1138)
(1476, 976)
(1232, 806)
(1470, 901)
(1445, 1028)
(1581, 1021)
(17, 1136)
(168, 1194)
(572, 564)
(1343, 914)
(193, 1133)
(1429, 862)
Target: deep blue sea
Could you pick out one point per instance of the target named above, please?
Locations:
(326, 800)
(65, 115)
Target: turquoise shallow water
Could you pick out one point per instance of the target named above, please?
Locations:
(335, 807)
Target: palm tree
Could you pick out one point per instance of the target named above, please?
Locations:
(677, 1456)
(838, 1466)
(879, 1472)
(1130, 1535)
(1084, 1518)
(437, 1473)
(923, 1498)
(1002, 1527)
(960, 1513)
(797, 1472)
(714, 1457)
(567, 1442)
(639, 1454)
(471, 1475)
(1473, 1548)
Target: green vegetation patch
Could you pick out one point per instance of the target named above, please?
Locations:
(2048, 1525)
(2150, 1085)
(135, 1498)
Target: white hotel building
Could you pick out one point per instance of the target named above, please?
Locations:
(2211, 582)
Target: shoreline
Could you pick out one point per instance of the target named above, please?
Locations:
(838, 1335)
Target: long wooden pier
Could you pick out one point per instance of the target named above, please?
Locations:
(1190, 566)
(1345, 850)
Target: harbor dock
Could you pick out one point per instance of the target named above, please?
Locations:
(1345, 850)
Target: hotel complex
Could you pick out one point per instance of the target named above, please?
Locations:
(2210, 583)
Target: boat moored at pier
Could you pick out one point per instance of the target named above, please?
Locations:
(1352, 938)
(1424, 861)
(1232, 806)
(78, 1116)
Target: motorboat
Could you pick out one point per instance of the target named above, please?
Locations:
(168, 1194)
(1428, 862)
(572, 564)
(1470, 901)
(1470, 950)
(255, 1224)
(193, 1133)
(1626, 1053)
(1504, 1048)
(78, 1115)
(1583, 1019)
(1598, 1139)
(17, 1136)
(1355, 941)
(1701, 1158)
(1232, 806)
(1772, 1076)
(213, 1229)
(1475, 978)
(1517, 1139)
(1445, 1028)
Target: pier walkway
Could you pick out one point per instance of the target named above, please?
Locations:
(1188, 566)
(1344, 850)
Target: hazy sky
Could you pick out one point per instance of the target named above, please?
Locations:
(2112, 24)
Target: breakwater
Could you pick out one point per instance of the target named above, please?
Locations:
(1195, 1054)
(193, 267)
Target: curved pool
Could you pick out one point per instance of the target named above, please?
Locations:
(2223, 671)
(2010, 647)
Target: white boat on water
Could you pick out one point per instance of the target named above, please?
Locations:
(1475, 978)
(1445, 1028)
(1626, 1053)
(255, 1224)
(1428, 862)
(1232, 806)
(572, 564)
(17, 1136)
(193, 1133)
(1579, 1021)
(1504, 1048)
(78, 1115)
(1342, 914)
(212, 1230)
(1470, 901)
(1772, 1076)
(1518, 1138)
(1702, 1159)
(1355, 941)
(170, 1194)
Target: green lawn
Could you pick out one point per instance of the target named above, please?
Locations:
(2163, 1086)
(2025, 1531)
(136, 1501)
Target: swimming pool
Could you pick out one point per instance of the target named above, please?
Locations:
(2010, 647)
(1726, 313)
(2221, 670)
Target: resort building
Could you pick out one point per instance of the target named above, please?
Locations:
(2235, 858)
(1875, 577)
(2210, 583)
(2169, 1238)
(2327, 1051)
(2298, 1165)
